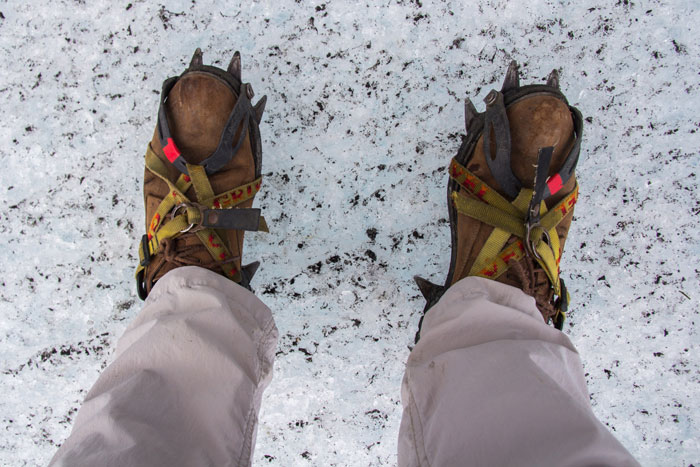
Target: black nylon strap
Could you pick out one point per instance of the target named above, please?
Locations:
(567, 169)
(572, 159)
(497, 121)
(242, 113)
(563, 305)
(163, 128)
(232, 219)
(544, 158)
(496, 118)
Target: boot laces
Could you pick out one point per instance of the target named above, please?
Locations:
(534, 282)
(178, 253)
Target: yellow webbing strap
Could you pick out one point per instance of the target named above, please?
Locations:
(200, 182)
(211, 240)
(499, 237)
(224, 200)
(489, 215)
(189, 215)
(548, 254)
(508, 219)
(169, 202)
(548, 262)
(499, 264)
(217, 249)
(481, 190)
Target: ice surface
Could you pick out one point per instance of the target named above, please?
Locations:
(365, 110)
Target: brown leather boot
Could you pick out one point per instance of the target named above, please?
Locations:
(511, 195)
(204, 160)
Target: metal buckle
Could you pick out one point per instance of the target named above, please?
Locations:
(195, 226)
(530, 245)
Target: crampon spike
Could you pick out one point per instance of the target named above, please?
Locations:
(512, 80)
(196, 58)
(259, 108)
(234, 66)
(249, 270)
(553, 79)
(427, 288)
(470, 113)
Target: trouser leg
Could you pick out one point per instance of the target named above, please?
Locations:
(490, 384)
(186, 382)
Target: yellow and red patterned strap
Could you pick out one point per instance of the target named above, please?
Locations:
(183, 219)
(508, 219)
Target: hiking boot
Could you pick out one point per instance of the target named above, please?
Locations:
(202, 172)
(512, 191)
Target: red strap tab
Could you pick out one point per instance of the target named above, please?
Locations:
(171, 151)
(554, 184)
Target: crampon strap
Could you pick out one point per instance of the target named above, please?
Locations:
(177, 215)
(526, 217)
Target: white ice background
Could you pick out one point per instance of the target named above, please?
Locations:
(365, 110)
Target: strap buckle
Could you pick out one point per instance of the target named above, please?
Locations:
(544, 157)
(531, 243)
(197, 226)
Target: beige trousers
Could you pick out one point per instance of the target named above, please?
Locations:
(488, 384)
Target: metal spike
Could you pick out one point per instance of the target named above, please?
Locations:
(249, 270)
(512, 80)
(427, 288)
(470, 113)
(259, 108)
(234, 66)
(553, 79)
(196, 58)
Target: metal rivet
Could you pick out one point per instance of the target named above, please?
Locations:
(491, 97)
(213, 217)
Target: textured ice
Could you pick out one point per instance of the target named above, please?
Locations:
(365, 110)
